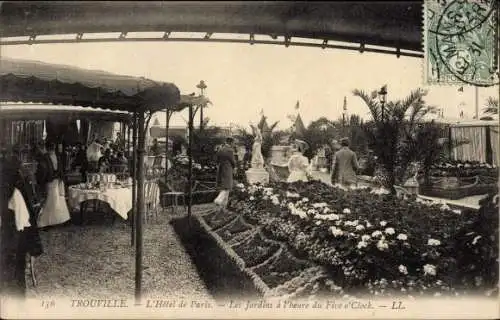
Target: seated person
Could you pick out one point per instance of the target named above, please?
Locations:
(105, 161)
(120, 159)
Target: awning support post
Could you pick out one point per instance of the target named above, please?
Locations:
(134, 178)
(190, 155)
(140, 208)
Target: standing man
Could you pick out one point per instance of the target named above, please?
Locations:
(225, 168)
(345, 165)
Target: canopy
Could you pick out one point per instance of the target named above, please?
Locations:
(36, 111)
(34, 81)
(396, 24)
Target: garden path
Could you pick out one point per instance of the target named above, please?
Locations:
(97, 260)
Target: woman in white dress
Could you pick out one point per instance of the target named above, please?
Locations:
(298, 164)
(49, 175)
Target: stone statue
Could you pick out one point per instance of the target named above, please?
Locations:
(257, 173)
(257, 161)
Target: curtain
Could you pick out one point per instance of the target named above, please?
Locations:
(475, 150)
(494, 135)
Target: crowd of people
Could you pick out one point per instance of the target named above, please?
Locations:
(99, 156)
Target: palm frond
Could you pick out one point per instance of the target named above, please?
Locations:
(371, 103)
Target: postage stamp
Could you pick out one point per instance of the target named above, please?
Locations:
(461, 42)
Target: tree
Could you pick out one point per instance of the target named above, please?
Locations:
(390, 127)
(318, 133)
(491, 106)
(205, 139)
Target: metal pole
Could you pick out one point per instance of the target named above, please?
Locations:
(168, 114)
(140, 208)
(190, 156)
(134, 178)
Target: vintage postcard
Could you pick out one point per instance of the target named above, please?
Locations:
(240, 160)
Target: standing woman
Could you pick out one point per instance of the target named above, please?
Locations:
(225, 168)
(49, 176)
(298, 164)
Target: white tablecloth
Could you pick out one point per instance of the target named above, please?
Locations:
(120, 200)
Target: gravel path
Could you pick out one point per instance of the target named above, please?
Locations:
(98, 261)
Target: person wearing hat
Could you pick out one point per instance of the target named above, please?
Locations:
(345, 165)
(225, 168)
(298, 164)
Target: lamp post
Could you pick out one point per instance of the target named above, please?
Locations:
(202, 86)
(382, 94)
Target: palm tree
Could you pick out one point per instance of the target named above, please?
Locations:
(491, 106)
(393, 123)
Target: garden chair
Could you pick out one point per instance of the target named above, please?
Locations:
(151, 195)
(174, 195)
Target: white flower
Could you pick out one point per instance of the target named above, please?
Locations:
(383, 223)
(346, 211)
(252, 198)
(368, 224)
(291, 206)
(336, 232)
(433, 242)
(402, 269)
(360, 227)
(275, 200)
(365, 237)
(390, 231)
(382, 245)
(376, 233)
(456, 211)
(240, 185)
(362, 244)
(318, 222)
(430, 269)
(312, 212)
(305, 199)
(402, 237)
(319, 204)
(326, 210)
(476, 239)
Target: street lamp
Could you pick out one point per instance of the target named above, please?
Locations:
(202, 86)
(382, 94)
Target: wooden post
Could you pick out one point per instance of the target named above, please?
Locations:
(489, 149)
(134, 178)
(140, 208)
(190, 156)
(168, 115)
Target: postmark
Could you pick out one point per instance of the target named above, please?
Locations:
(461, 42)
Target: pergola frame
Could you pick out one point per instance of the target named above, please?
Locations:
(212, 38)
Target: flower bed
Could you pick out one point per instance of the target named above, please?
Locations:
(308, 239)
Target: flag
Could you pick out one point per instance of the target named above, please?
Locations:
(297, 105)
(461, 89)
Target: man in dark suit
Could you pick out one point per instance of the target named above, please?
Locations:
(225, 169)
(345, 165)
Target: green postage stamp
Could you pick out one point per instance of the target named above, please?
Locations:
(461, 42)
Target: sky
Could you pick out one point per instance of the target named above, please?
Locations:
(244, 79)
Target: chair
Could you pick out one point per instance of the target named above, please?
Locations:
(175, 196)
(151, 195)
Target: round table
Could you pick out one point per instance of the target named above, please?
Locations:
(119, 199)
